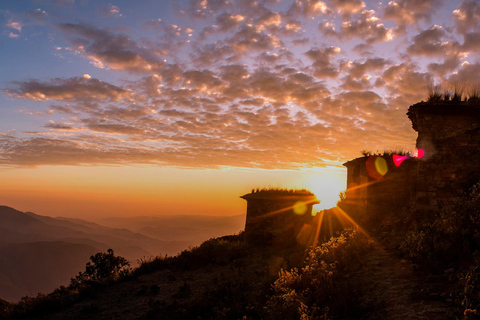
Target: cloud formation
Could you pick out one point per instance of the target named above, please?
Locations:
(72, 89)
(238, 83)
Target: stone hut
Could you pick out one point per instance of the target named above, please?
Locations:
(380, 182)
(449, 133)
(277, 215)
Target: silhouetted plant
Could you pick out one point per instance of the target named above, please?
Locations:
(434, 93)
(5, 308)
(471, 290)
(319, 289)
(457, 93)
(474, 94)
(281, 191)
(441, 238)
(385, 153)
(103, 266)
(454, 93)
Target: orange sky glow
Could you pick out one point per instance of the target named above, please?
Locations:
(97, 192)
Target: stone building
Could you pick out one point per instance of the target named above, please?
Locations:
(449, 138)
(278, 216)
(380, 182)
(449, 133)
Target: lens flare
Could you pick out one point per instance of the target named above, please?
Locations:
(376, 167)
(300, 208)
(397, 160)
(420, 153)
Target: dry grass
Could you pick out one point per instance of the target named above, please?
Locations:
(454, 93)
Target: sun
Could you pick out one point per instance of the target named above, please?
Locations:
(326, 183)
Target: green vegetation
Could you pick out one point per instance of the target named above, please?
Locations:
(229, 278)
(443, 241)
(102, 267)
(239, 281)
(320, 288)
(438, 238)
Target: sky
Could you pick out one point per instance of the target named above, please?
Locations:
(120, 108)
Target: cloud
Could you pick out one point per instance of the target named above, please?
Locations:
(431, 43)
(405, 84)
(428, 42)
(309, 8)
(468, 73)
(355, 84)
(227, 21)
(251, 38)
(218, 85)
(322, 64)
(115, 51)
(16, 25)
(358, 70)
(114, 10)
(410, 12)
(365, 26)
(445, 67)
(348, 7)
(467, 16)
(63, 126)
(71, 89)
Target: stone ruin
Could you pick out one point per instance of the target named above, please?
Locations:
(277, 216)
(449, 135)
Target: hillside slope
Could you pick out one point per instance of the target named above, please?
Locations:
(39, 253)
(33, 267)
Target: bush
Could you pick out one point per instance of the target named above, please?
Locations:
(319, 289)
(103, 266)
(218, 251)
(471, 291)
(448, 235)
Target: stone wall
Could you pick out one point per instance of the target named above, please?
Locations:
(372, 192)
(449, 133)
(272, 218)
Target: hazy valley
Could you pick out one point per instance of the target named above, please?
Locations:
(40, 253)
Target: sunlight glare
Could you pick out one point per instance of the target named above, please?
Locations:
(299, 208)
(325, 183)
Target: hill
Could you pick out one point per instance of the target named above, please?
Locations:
(39, 253)
(224, 278)
(188, 228)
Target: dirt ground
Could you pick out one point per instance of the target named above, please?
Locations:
(392, 289)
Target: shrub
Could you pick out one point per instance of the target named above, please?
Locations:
(447, 235)
(471, 291)
(319, 288)
(218, 251)
(103, 266)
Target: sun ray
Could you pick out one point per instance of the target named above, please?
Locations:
(272, 213)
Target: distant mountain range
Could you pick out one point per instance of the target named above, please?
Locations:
(40, 253)
(193, 229)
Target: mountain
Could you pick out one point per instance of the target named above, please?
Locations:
(39, 253)
(33, 267)
(193, 229)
